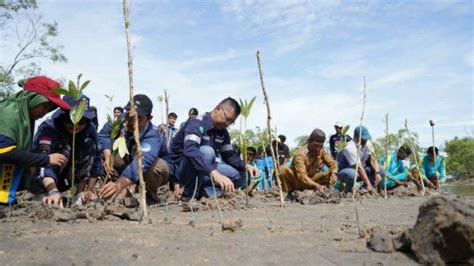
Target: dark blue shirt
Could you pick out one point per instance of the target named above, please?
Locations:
(200, 131)
(153, 146)
(51, 134)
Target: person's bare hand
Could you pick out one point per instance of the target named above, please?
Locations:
(53, 200)
(223, 181)
(109, 190)
(319, 188)
(57, 159)
(253, 170)
(88, 196)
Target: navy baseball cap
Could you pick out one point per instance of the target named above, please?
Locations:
(142, 103)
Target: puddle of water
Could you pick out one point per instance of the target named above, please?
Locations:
(461, 189)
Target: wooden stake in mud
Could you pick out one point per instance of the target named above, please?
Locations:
(269, 128)
(386, 158)
(415, 155)
(364, 99)
(432, 124)
(133, 114)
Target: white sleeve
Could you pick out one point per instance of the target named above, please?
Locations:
(350, 152)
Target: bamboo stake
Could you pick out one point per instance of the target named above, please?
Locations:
(432, 124)
(364, 99)
(386, 157)
(134, 115)
(415, 155)
(269, 128)
(167, 105)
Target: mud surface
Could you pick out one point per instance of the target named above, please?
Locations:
(323, 233)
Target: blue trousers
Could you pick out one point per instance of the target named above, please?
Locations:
(187, 175)
(347, 175)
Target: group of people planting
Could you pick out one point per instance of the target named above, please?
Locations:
(196, 160)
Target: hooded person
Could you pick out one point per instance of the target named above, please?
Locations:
(56, 135)
(17, 122)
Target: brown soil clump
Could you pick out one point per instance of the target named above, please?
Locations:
(443, 233)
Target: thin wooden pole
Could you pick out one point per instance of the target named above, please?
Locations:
(364, 99)
(415, 155)
(134, 115)
(432, 124)
(269, 129)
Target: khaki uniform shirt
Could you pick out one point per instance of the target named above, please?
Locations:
(306, 165)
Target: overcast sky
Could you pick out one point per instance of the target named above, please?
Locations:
(417, 57)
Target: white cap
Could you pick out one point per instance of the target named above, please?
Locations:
(339, 124)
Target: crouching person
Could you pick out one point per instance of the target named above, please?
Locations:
(367, 170)
(17, 122)
(157, 166)
(56, 136)
(311, 167)
(433, 168)
(202, 151)
(395, 173)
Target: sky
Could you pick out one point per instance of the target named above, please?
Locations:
(416, 56)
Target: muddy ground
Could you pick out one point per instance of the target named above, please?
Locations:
(308, 232)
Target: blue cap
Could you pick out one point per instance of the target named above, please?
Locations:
(88, 113)
(363, 132)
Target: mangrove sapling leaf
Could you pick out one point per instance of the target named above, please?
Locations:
(245, 107)
(77, 112)
(116, 127)
(120, 145)
(84, 85)
(60, 91)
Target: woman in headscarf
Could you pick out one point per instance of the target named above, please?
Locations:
(17, 123)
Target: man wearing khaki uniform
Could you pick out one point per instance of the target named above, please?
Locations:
(311, 167)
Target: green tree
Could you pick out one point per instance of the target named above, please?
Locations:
(31, 37)
(301, 140)
(460, 159)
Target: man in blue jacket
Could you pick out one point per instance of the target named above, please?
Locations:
(157, 163)
(202, 150)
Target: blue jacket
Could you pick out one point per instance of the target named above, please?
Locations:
(395, 169)
(51, 134)
(428, 169)
(200, 131)
(153, 146)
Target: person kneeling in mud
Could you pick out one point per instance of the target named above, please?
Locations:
(157, 164)
(368, 169)
(17, 122)
(202, 151)
(432, 176)
(395, 174)
(56, 136)
(311, 167)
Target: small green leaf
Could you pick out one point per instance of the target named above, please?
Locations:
(115, 132)
(77, 112)
(79, 77)
(60, 91)
(346, 129)
(84, 85)
(109, 119)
